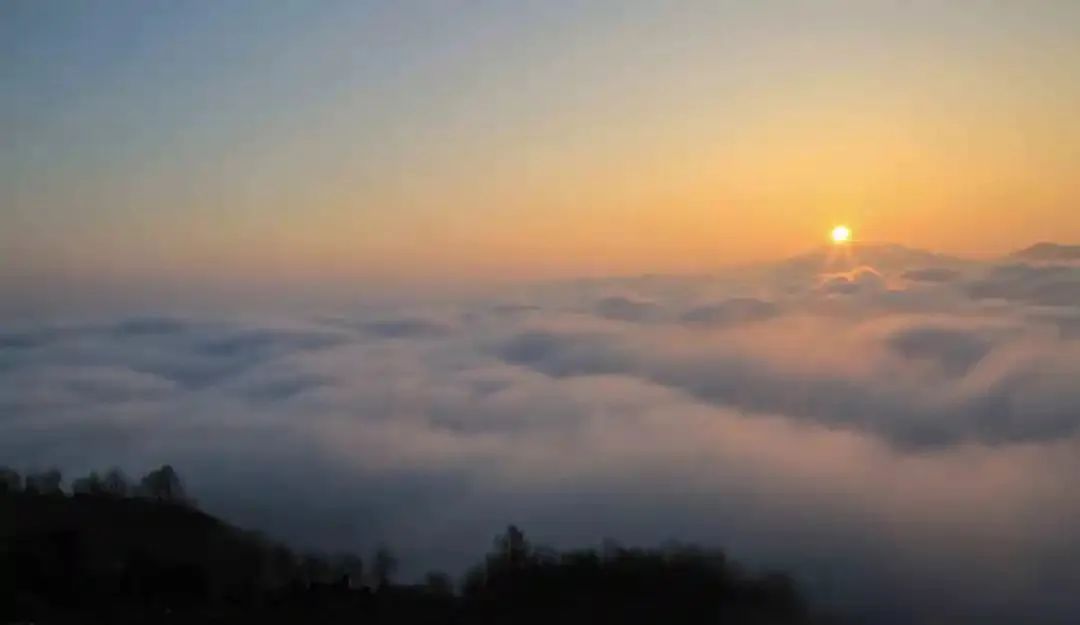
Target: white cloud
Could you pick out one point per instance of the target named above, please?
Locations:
(909, 426)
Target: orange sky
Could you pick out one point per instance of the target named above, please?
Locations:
(401, 144)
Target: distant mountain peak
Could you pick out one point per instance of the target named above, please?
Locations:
(873, 254)
(1048, 251)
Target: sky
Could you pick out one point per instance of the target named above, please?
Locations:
(384, 144)
(403, 273)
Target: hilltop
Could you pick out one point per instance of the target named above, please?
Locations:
(1046, 251)
(99, 557)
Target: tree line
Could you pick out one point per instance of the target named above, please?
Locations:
(162, 484)
(122, 552)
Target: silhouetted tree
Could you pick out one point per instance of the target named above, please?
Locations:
(351, 567)
(280, 566)
(99, 559)
(163, 485)
(315, 568)
(383, 567)
(10, 480)
(610, 549)
(439, 584)
(115, 483)
(45, 483)
(90, 485)
(511, 548)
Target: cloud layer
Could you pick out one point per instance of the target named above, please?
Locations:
(898, 427)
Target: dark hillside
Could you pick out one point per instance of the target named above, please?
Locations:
(102, 558)
(89, 554)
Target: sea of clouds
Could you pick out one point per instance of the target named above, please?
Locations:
(901, 429)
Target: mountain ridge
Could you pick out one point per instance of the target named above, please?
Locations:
(1048, 251)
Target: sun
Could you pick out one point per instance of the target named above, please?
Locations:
(841, 234)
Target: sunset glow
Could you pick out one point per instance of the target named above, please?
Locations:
(325, 165)
(799, 281)
(841, 234)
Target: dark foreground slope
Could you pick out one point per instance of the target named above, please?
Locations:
(85, 559)
(92, 555)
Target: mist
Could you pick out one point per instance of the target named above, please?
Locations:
(898, 428)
